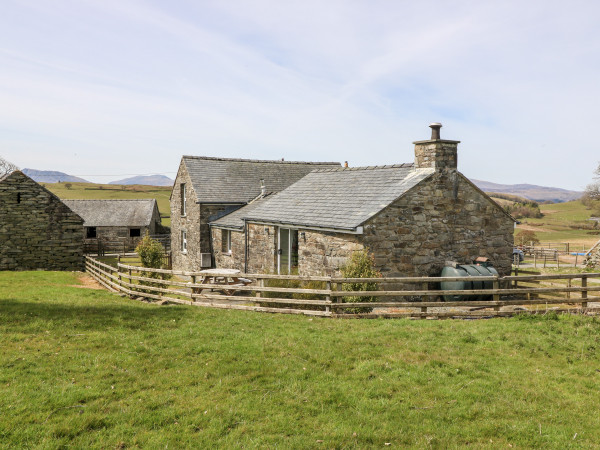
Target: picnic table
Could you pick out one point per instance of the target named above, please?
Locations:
(225, 277)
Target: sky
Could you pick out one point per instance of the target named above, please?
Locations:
(107, 89)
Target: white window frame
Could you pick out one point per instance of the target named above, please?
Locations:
(183, 241)
(183, 199)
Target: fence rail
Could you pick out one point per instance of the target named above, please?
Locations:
(332, 296)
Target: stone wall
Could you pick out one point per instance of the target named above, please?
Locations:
(194, 222)
(37, 230)
(262, 248)
(190, 222)
(323, 253)
(444, 218)
(233, 260)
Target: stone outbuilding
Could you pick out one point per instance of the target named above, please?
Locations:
(123, 221)
(37, 230)
(413, 218)
(206, 188)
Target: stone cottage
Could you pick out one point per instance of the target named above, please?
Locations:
(412, 218)
(37, 230)
(123, 221)
(206, 188)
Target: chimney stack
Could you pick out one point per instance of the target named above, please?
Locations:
(436, 153)
(263, 188)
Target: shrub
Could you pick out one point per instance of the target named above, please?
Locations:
(151, 255)
(525, 237)
(360, 265)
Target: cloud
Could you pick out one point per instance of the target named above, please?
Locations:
(127, 84)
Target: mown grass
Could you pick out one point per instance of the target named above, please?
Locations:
(86, 368)
(92, 191)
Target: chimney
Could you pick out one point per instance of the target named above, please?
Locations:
(263, 188)
(436, 153)
(345, 163)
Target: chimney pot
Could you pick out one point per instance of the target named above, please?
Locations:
(435, 130)
(345, 163)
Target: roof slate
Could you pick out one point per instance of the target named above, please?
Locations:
(238, 180)
(342, 198)
(236, 218)
(114, 213)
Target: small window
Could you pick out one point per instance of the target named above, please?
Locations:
(90, 232)
(183, 199)
(226, 241)
(18, 197)
(183, 241)
(135, 232)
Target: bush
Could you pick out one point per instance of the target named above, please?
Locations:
(360, 265)
(151, 255)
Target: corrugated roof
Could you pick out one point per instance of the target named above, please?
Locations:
(114, 213)
(238, 180)
(342, 198)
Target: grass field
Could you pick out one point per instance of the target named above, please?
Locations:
(91, 191)
(560, 222)
(85, 368)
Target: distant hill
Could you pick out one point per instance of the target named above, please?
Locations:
(149, 180)
(530, 191)
(52, 176)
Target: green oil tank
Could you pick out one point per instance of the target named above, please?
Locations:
(470, 273)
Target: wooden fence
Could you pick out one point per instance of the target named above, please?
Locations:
(417, 297)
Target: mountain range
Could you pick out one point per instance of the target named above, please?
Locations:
(151, 180)
(528, 191)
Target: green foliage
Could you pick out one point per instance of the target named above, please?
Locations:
(526, 237)
(151, 254)
(360, 265)
(522, 210)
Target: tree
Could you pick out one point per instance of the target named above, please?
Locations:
(68, 185)
(526, 237)
(6, 167)
(151, 255)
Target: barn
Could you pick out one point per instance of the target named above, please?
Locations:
(124, 221)
(412, 217)
(37, 230)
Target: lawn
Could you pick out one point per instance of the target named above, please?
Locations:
(91, 191)
(86, 368)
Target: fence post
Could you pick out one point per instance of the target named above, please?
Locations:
(534, 259)
(545, 260)
(261, 283)
(328, 296)
(584, 293)
(569, 286)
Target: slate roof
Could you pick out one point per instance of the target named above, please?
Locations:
(236, 218)
(342, 198)
(238, 180)
(114, 213)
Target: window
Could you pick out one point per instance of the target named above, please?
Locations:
(135, 232)
(226, 241)
(183, 198)
(183, 241)
(90, 232)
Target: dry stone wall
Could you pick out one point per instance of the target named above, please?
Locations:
(37, 230)
(445, 218)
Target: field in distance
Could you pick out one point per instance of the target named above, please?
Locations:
(91, 191)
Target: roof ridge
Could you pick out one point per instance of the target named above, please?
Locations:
(386, 166)
(271, 161)
(111, 199)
